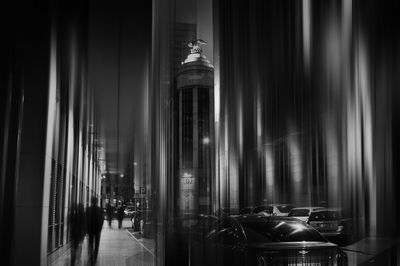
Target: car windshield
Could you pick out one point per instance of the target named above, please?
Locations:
(268, 209)
(280, 231)
(299, 212)
(284, 208)
(324, 216)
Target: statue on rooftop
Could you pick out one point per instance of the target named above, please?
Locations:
(195, 46)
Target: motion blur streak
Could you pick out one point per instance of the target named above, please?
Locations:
(306, 105)
(307, 33)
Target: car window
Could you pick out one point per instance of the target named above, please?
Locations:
(284, 208)
(299, 212)
(324, 216)
(280, 231)
(263, 209)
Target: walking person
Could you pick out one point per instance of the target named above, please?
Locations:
(76, 221)
(109, 210)
(95, 219)
(120, 215)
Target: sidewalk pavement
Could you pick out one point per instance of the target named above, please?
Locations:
(118, 247)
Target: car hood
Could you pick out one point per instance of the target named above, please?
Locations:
(291, 245)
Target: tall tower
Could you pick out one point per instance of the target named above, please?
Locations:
(195, 121)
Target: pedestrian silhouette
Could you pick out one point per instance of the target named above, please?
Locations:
(109, 210)
(120, 215)
(95, 219)
(76, 221)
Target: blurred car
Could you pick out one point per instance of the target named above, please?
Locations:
(269, 240)
(303, 213)
(129, 210)
(333, 224)
(274, 209)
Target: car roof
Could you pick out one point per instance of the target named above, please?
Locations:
(329, 209)
(309, 208)
(281, 205)
(258, 217)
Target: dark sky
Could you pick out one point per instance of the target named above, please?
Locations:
(119, 46)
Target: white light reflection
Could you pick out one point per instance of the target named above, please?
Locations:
(206, 140)
(306, 32)
(295, 158)
(298, 227)
(365, 105)
(269, 168)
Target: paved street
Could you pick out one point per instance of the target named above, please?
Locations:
(117, 248)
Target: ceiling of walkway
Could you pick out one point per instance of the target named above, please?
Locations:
(119, 45)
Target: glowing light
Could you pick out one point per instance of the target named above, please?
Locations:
(206, 140)
(186, 175)
(298, 227)
(121, 175)
(306, 31)
(295, 158)
(269, 168)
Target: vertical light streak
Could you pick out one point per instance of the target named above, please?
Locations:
(333, 64)
(307, 33)
(367, 129)
(51, 110)
(332, 159)
(295, 159)
(259, 114)
(233, 177)
(269, 171)
(225, 185)
(240, 124)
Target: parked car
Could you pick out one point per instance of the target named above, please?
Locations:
(302, 213)
(274, 209)
(332, 223)
(269, 240)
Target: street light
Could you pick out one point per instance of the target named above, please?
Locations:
(206, 140)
